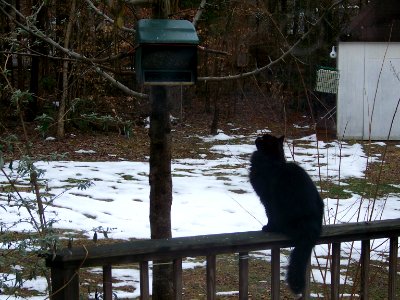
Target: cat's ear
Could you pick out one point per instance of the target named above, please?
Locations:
(281, 139)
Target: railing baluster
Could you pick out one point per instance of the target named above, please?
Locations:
(144, 280)
(365, 261)
(243, 275)
(107, 282)
(275, 273)
(394, 244)
(306, 292)
(178, 278)
(335, 271)
(211, 277)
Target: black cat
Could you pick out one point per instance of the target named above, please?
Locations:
(292, 203)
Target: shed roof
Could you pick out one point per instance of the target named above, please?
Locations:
(379, 21)
(164, 31)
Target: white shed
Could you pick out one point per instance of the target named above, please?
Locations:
(369, 67)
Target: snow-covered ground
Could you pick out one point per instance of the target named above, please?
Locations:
(209, 195)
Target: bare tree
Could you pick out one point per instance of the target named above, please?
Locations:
(65, 86)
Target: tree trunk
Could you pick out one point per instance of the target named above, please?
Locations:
(37, 63)
(163, 9)
(160, 187)
(64, 95)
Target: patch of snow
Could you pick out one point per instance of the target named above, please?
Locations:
(231, 293)
(82, 151)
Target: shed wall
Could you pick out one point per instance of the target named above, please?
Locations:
(369, 90)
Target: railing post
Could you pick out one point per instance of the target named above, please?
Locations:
(365, 261)
(335, 271)
(211, 277)
(394, 244)
(144, 280)
(178, 279)
(275, 273)
(64, 283)
(107, 282)
(243, 275)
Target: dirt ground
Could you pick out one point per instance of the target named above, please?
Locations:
(112, 145)
(187, 126)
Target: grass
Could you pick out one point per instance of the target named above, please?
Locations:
(358, 186)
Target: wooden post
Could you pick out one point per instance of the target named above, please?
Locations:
(335, 271)
(306, 292)
(275, 273)
(365, 260)
(211, 277)
(160, 165)
(394, 244)
(144, 280)
(178, 278)
(160, 180)
(243, 275)
(107, 282)
(64, 283)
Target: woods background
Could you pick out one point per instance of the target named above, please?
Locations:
(69, 64)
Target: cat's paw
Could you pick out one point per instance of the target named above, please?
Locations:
(266, 228)
(270, 227)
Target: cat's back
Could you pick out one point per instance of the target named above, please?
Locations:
(294, 169)
(297, 185)
(294, 176)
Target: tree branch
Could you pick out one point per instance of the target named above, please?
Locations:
(140, 2)
(118, 56)
(284, 54)
(32, 29)
(199, 12)
(118, 84)
(107, 18)
(201, 48)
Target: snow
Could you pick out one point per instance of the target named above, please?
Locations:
(204, 190)
(83, 151)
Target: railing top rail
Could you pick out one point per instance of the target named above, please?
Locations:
(136, 251)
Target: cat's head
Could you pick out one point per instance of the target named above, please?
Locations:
(271, 146)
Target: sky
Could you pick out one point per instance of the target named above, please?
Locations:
(210, 195)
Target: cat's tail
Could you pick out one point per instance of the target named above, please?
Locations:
(299, 258)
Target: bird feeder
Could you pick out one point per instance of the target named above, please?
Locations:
(166, 52)
(327, 80)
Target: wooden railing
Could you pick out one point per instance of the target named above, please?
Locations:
(66, 264)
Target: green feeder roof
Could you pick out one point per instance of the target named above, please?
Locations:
(164, 31)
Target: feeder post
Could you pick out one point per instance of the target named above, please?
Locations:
(160, 180)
